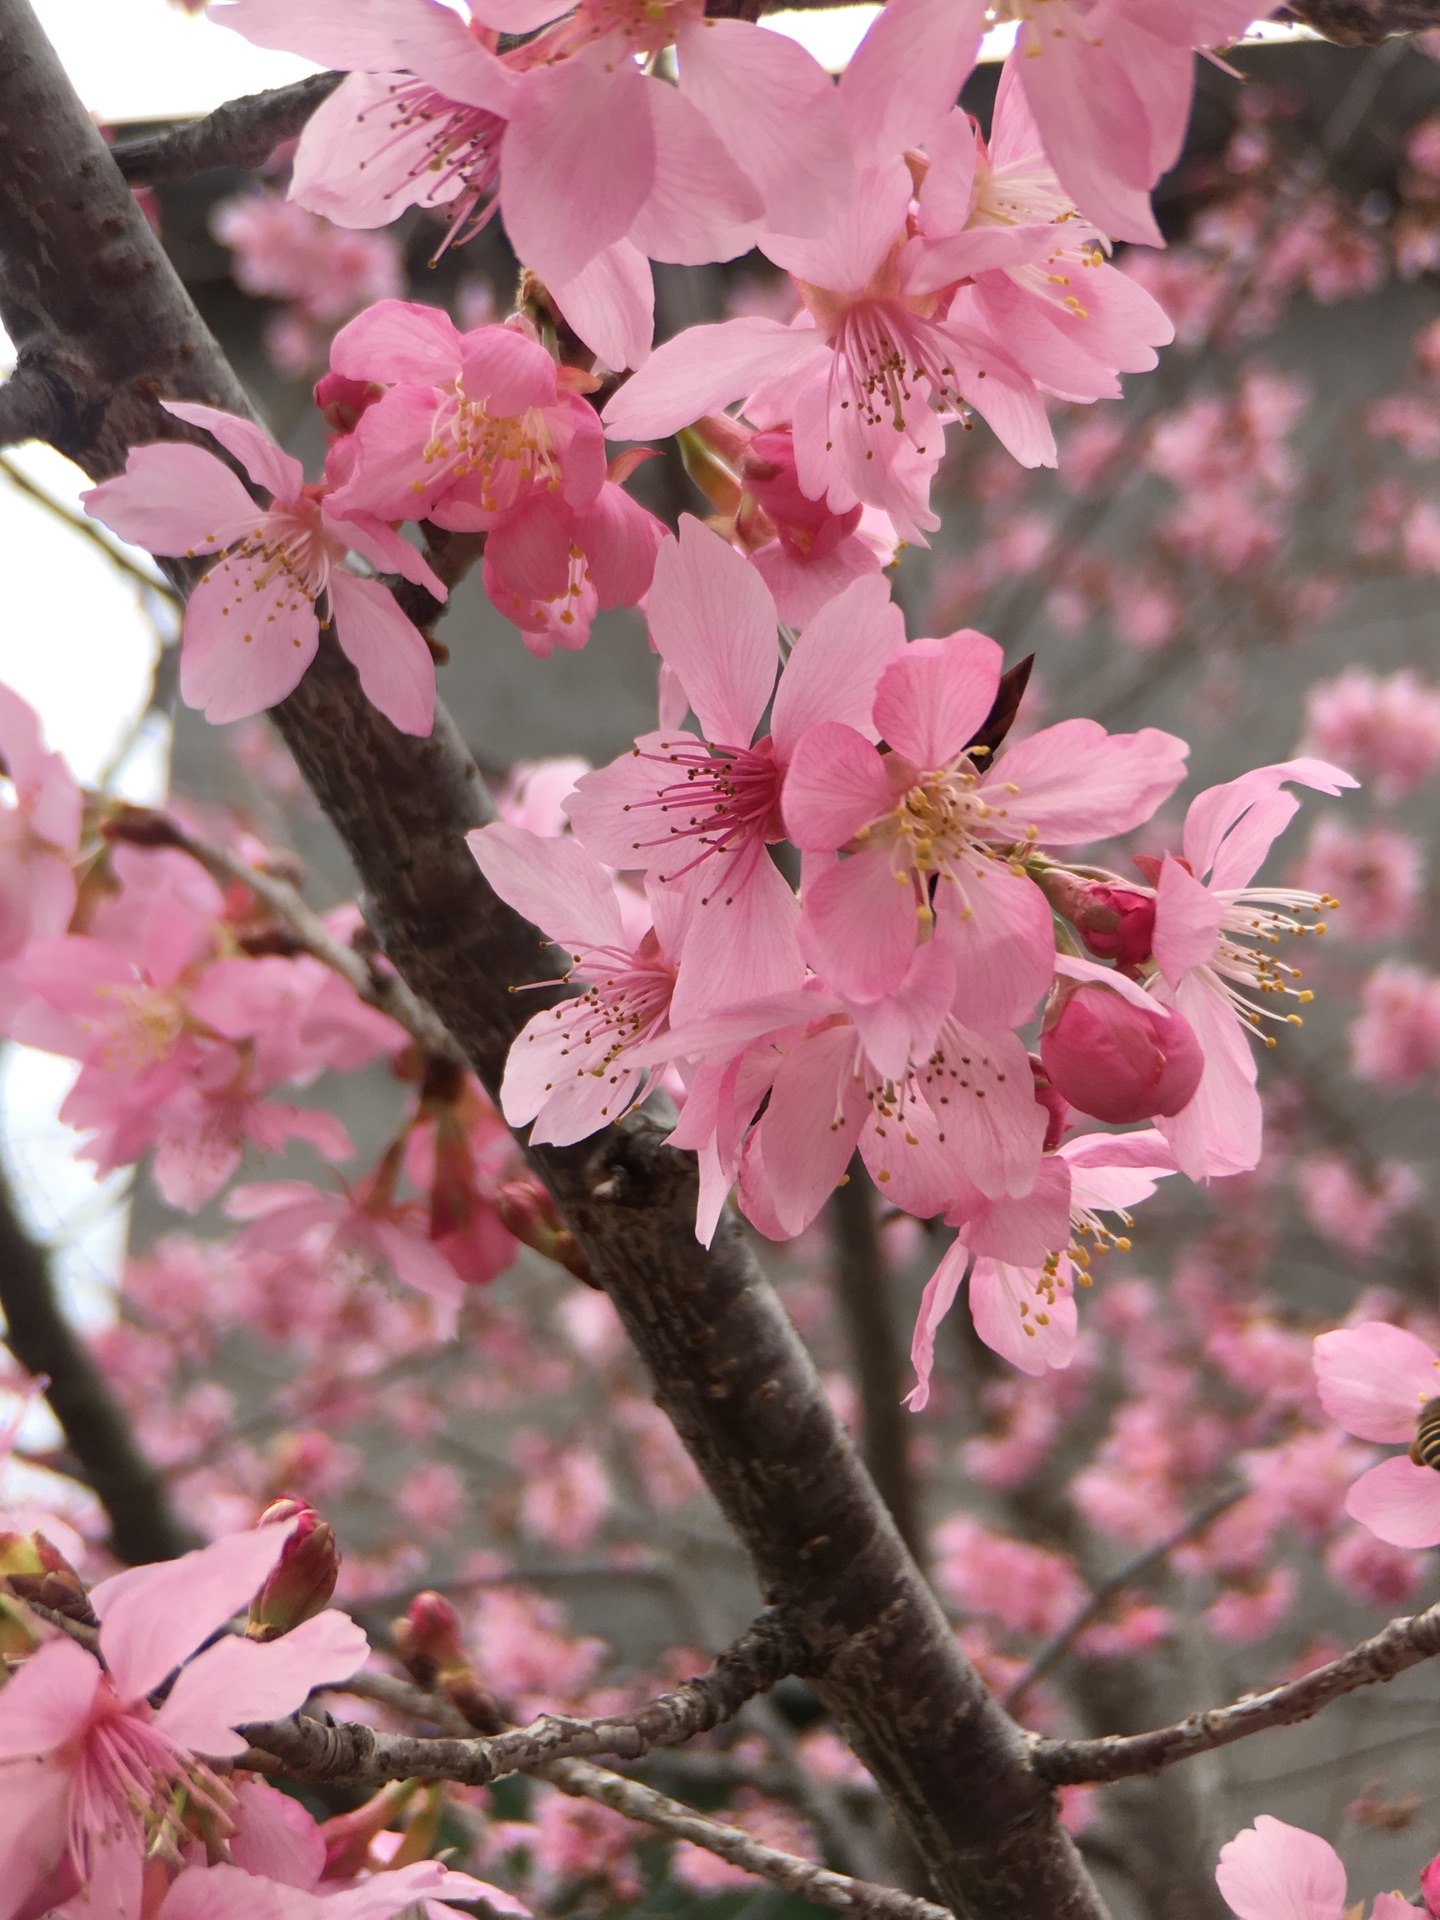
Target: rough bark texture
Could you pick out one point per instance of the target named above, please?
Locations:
(90, 299)
(142, 1523)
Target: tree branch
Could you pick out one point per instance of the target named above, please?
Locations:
(242, 133)
(31, 406)
(1404, 1643)
(79, 265)
(143, 1525)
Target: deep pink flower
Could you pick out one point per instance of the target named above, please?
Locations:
(1031, 1254)
(569, 1069)
(89, 1771)
(251, 624)
(39, 832)
(1116, 1060)
(1273, 1871)
(1374, 1381)
(696, 811)
(1206, 914)
(934, 830)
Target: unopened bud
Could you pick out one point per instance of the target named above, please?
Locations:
(342, 400)
(33, 1568)
(527, 1211)
(1430, 1885)
(431, 1648)
(1116, 923)
(1117, 1061)
(17, 1642)
(303, 1578)
(808, 528)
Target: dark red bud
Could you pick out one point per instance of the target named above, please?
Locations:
(304, 1576)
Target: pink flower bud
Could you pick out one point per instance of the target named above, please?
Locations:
(343, 400)
(304, 1576)
(527, 1211)
(1116, 923)
(429, 1642)
(808, 528)
(1116, 1062)
(1430, 1885)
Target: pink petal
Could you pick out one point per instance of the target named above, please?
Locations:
(34, 1831)
(1398, 1502)
(845, 254)
(1214, 812)
(578, 161)
(835, 785)
(1188, 919)
(774, 107)
(712, 620)
(613, 810)
(1021, 1232)
(245, 646)
(935, 1302)
(396, 668)
(387, 550)
(620, 540)
(1374, 1379)
(933, 696)
(1078, 782)
(980, 1087)
(554, 883)
(433, 42)
(1003, 950)
(1251, 838)
(996, 1295)
(610, 303)
(517, 16)
(275, 1837)
(1273, 1871)
(345, 36)
(836, 663)
(237, 1681)
(388, 474)
(704, 369)
(1219, 1132)
(354, 167)
(906, 74)
(506, 371)
(811, 1125)
(740, 935)
(999, 389)
(152, 1617)
(858, 927)
(401, 340)
(701, 207)
(173, 498)
(46, 1703)
(267, 465)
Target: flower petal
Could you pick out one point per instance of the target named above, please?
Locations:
(703, 369)
(1398, 1502)
(713, 621)
(237, 1681)
(1374, 1379)
(267, 465)
(173, 498)
(1273, 1871)
(396, 668)
(934, 695)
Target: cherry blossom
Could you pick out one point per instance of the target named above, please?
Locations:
(1273, 1869)
(1375, 1380)
(39, 832)
(252, 624)
(695, 811)
(89, 1772)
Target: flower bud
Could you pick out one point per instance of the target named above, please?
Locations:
(527, 1211)
(1430, 1885)
(1117, 1062)
(33, 1568)
(304, 1576)
(807, 528)
(342, 400)
(1115, 922)
(431, 1648)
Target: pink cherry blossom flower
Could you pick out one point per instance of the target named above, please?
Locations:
(224, 1892)
(90, 1772)
(696, 811)
(1273, 1871)
(1375, 1381)
(1388, 727)
(1376, 872)
(950, 826)
(1109, 85)
(1352, 1211)
(251, 624)
(569, 1069)
(1395, 1037)
(39, 832)
(482, 431)
(1208, 968)
(1030, 1255)
(1070, 318)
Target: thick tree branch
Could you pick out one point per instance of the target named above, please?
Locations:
(33, 406)
(1404, 1643)
(358, 1756)
(131, 1490)
(79, 266)
(242, 133)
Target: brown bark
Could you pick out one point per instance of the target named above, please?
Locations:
(88, 295)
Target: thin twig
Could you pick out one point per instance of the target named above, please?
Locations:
(386, 992)
(359, 1756)
(1404, 1643)
(242, 133)
(1060, 1643)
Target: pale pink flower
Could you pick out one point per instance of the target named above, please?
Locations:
(948, 826)
(224, 1892)
(1273, 1871)
(1375, 1381)
(1027, 1589)
(569, 1069)
(696, 811)
(1109, 85)
(1395, 1037)
(1371, 1570)
(1376, 872)
(481, 431)
(252, 624)
(565, 1495)
(1348, 1209)
(1254, 1604)
(89, 1771)
(1387, 727)
(39, 832)
(286, 253)
(1207, 913)
(1029, 1255)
